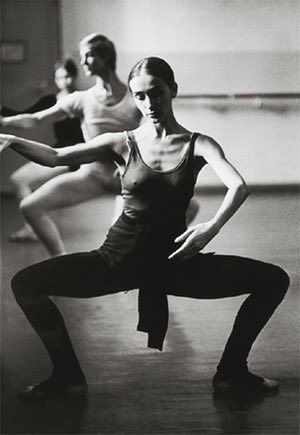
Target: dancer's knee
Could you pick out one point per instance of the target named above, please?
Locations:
(19, 183)
(22, 284)
(15, 179)
(30, 209)
(280, 281)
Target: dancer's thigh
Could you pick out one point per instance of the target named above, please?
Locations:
(80, 275)
(66, 190)
(218, 276)
(105, 175)
(34, 175)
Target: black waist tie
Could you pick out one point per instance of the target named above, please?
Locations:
(138, 252)
(153, 316)
(155, 204)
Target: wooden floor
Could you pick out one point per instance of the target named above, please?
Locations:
(134, 390)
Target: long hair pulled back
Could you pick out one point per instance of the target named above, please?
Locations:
(156, 67)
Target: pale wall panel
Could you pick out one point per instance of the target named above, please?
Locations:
(214, 45)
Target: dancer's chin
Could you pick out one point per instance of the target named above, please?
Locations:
(153, 118)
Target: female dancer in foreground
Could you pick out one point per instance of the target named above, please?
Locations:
(67, 132)
(149, 246)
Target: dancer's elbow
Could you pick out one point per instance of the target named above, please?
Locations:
(53, 160)
(59, 160)
(56, 161)
(243, 190)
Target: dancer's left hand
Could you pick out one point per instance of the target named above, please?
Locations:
(193, 240)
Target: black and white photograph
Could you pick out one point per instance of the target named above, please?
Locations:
(150, 217)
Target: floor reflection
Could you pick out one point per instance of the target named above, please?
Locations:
(238, 411)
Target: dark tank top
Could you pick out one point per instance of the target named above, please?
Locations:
(151, 195)
(138, 244)
(155, 205)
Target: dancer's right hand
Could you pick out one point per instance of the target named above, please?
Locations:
(6, 140)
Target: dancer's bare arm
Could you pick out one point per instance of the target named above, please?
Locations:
(102, 147)
(33, 120)
(196, 237)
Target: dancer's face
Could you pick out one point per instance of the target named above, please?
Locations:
(63, 80)
(152, 96)
(91, 62)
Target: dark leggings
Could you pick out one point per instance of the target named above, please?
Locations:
(86, 275)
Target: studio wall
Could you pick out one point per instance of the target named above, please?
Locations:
(34, 25)
(214, 46)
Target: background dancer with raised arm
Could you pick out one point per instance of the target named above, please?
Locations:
(66, 132)
(106, 107)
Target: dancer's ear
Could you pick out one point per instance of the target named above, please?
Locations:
(174, 90)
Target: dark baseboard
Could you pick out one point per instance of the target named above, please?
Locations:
(254, 188)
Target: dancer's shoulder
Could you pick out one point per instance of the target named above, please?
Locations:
(205, 144)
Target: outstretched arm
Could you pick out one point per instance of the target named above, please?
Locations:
(198, 236)
(33, 120)
(100, 148)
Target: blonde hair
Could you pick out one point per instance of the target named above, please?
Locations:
(103, 47)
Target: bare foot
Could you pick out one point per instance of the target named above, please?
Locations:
(24, 234)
